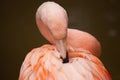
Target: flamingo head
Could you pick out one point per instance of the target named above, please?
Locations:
(52, 22)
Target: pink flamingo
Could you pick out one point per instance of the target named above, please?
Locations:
(72, 54)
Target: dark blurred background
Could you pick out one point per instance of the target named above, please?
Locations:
(19, 33)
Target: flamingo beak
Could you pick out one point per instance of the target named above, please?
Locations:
(61, 46)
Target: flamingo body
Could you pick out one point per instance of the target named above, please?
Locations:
(44, 63)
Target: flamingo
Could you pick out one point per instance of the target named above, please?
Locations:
(72, 54)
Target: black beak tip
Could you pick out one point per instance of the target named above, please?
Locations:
(66, 60)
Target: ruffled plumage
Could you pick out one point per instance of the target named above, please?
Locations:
(44, 63)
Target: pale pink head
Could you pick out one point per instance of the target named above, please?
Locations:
(52, 22)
